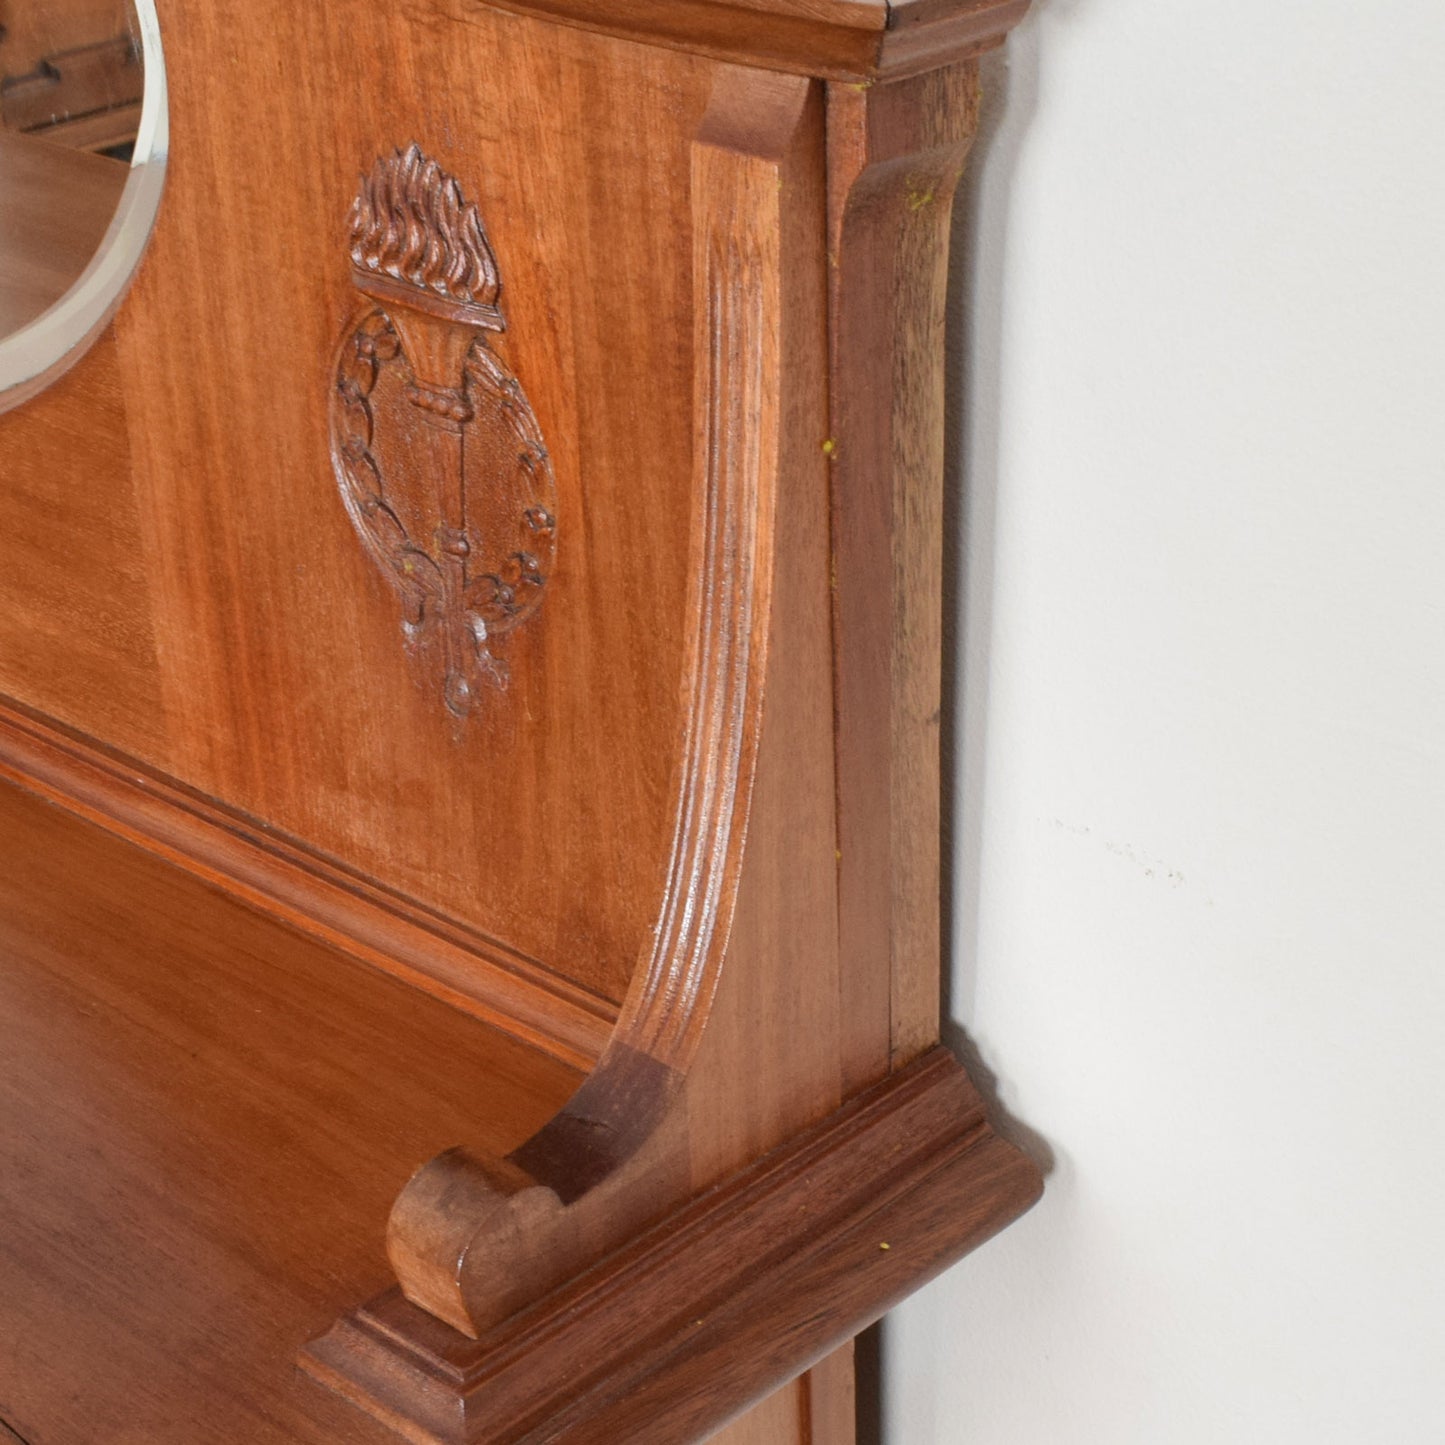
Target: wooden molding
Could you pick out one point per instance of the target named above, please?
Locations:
(858, 40)
(896, 152)
(314, 894)
(719, 1303)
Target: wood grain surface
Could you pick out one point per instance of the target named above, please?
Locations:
(895, 151)
(313, 894)
(748, 975)
(203, 1119)
(263, 665)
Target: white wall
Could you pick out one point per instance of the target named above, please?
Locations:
(1199, 912)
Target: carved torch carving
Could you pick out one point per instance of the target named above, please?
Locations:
(437, 452)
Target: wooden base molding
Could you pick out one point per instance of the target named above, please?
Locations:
(721, 1302)
(856, 40)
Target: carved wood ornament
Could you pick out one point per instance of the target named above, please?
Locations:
(437, 451)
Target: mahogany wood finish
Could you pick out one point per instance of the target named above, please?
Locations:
(255, 652)
(563, 1195)
(896, 153)
(202, 1118)
(283, 877)
(612, 913)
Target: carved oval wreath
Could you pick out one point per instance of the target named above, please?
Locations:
(458, 511)
(437, 452)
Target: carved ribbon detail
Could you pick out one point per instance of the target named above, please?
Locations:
(437, 452)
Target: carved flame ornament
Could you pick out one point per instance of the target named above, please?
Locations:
(437, 452)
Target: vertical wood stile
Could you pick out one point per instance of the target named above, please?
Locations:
(895, 154)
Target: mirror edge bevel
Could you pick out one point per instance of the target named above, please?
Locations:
(46, 348)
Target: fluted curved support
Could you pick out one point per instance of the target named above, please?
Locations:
(472, 1239)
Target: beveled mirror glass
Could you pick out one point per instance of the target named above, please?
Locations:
(83, 140)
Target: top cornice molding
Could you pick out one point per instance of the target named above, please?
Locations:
(859, 40)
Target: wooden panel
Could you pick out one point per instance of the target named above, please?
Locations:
(737, 1001)
(203, 1119)
(74, 620)
(896, 152)
(744, 1041)
(818, 1408)
(830, 1400)
(781, 1419)
(285, 688)
(280, 685)
(283, 878)
(721, 289)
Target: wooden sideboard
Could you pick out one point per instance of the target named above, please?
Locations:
(470, 640)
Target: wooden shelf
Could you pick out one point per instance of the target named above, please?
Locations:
(204, 1119)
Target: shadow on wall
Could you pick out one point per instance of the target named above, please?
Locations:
(972, 423)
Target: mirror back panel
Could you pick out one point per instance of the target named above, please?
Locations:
(364, 675)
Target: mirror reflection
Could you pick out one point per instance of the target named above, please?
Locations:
(81, 121)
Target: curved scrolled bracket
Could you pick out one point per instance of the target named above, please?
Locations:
(472, 1239)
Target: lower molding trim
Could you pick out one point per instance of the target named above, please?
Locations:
(729, 1298)
(314, 894)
